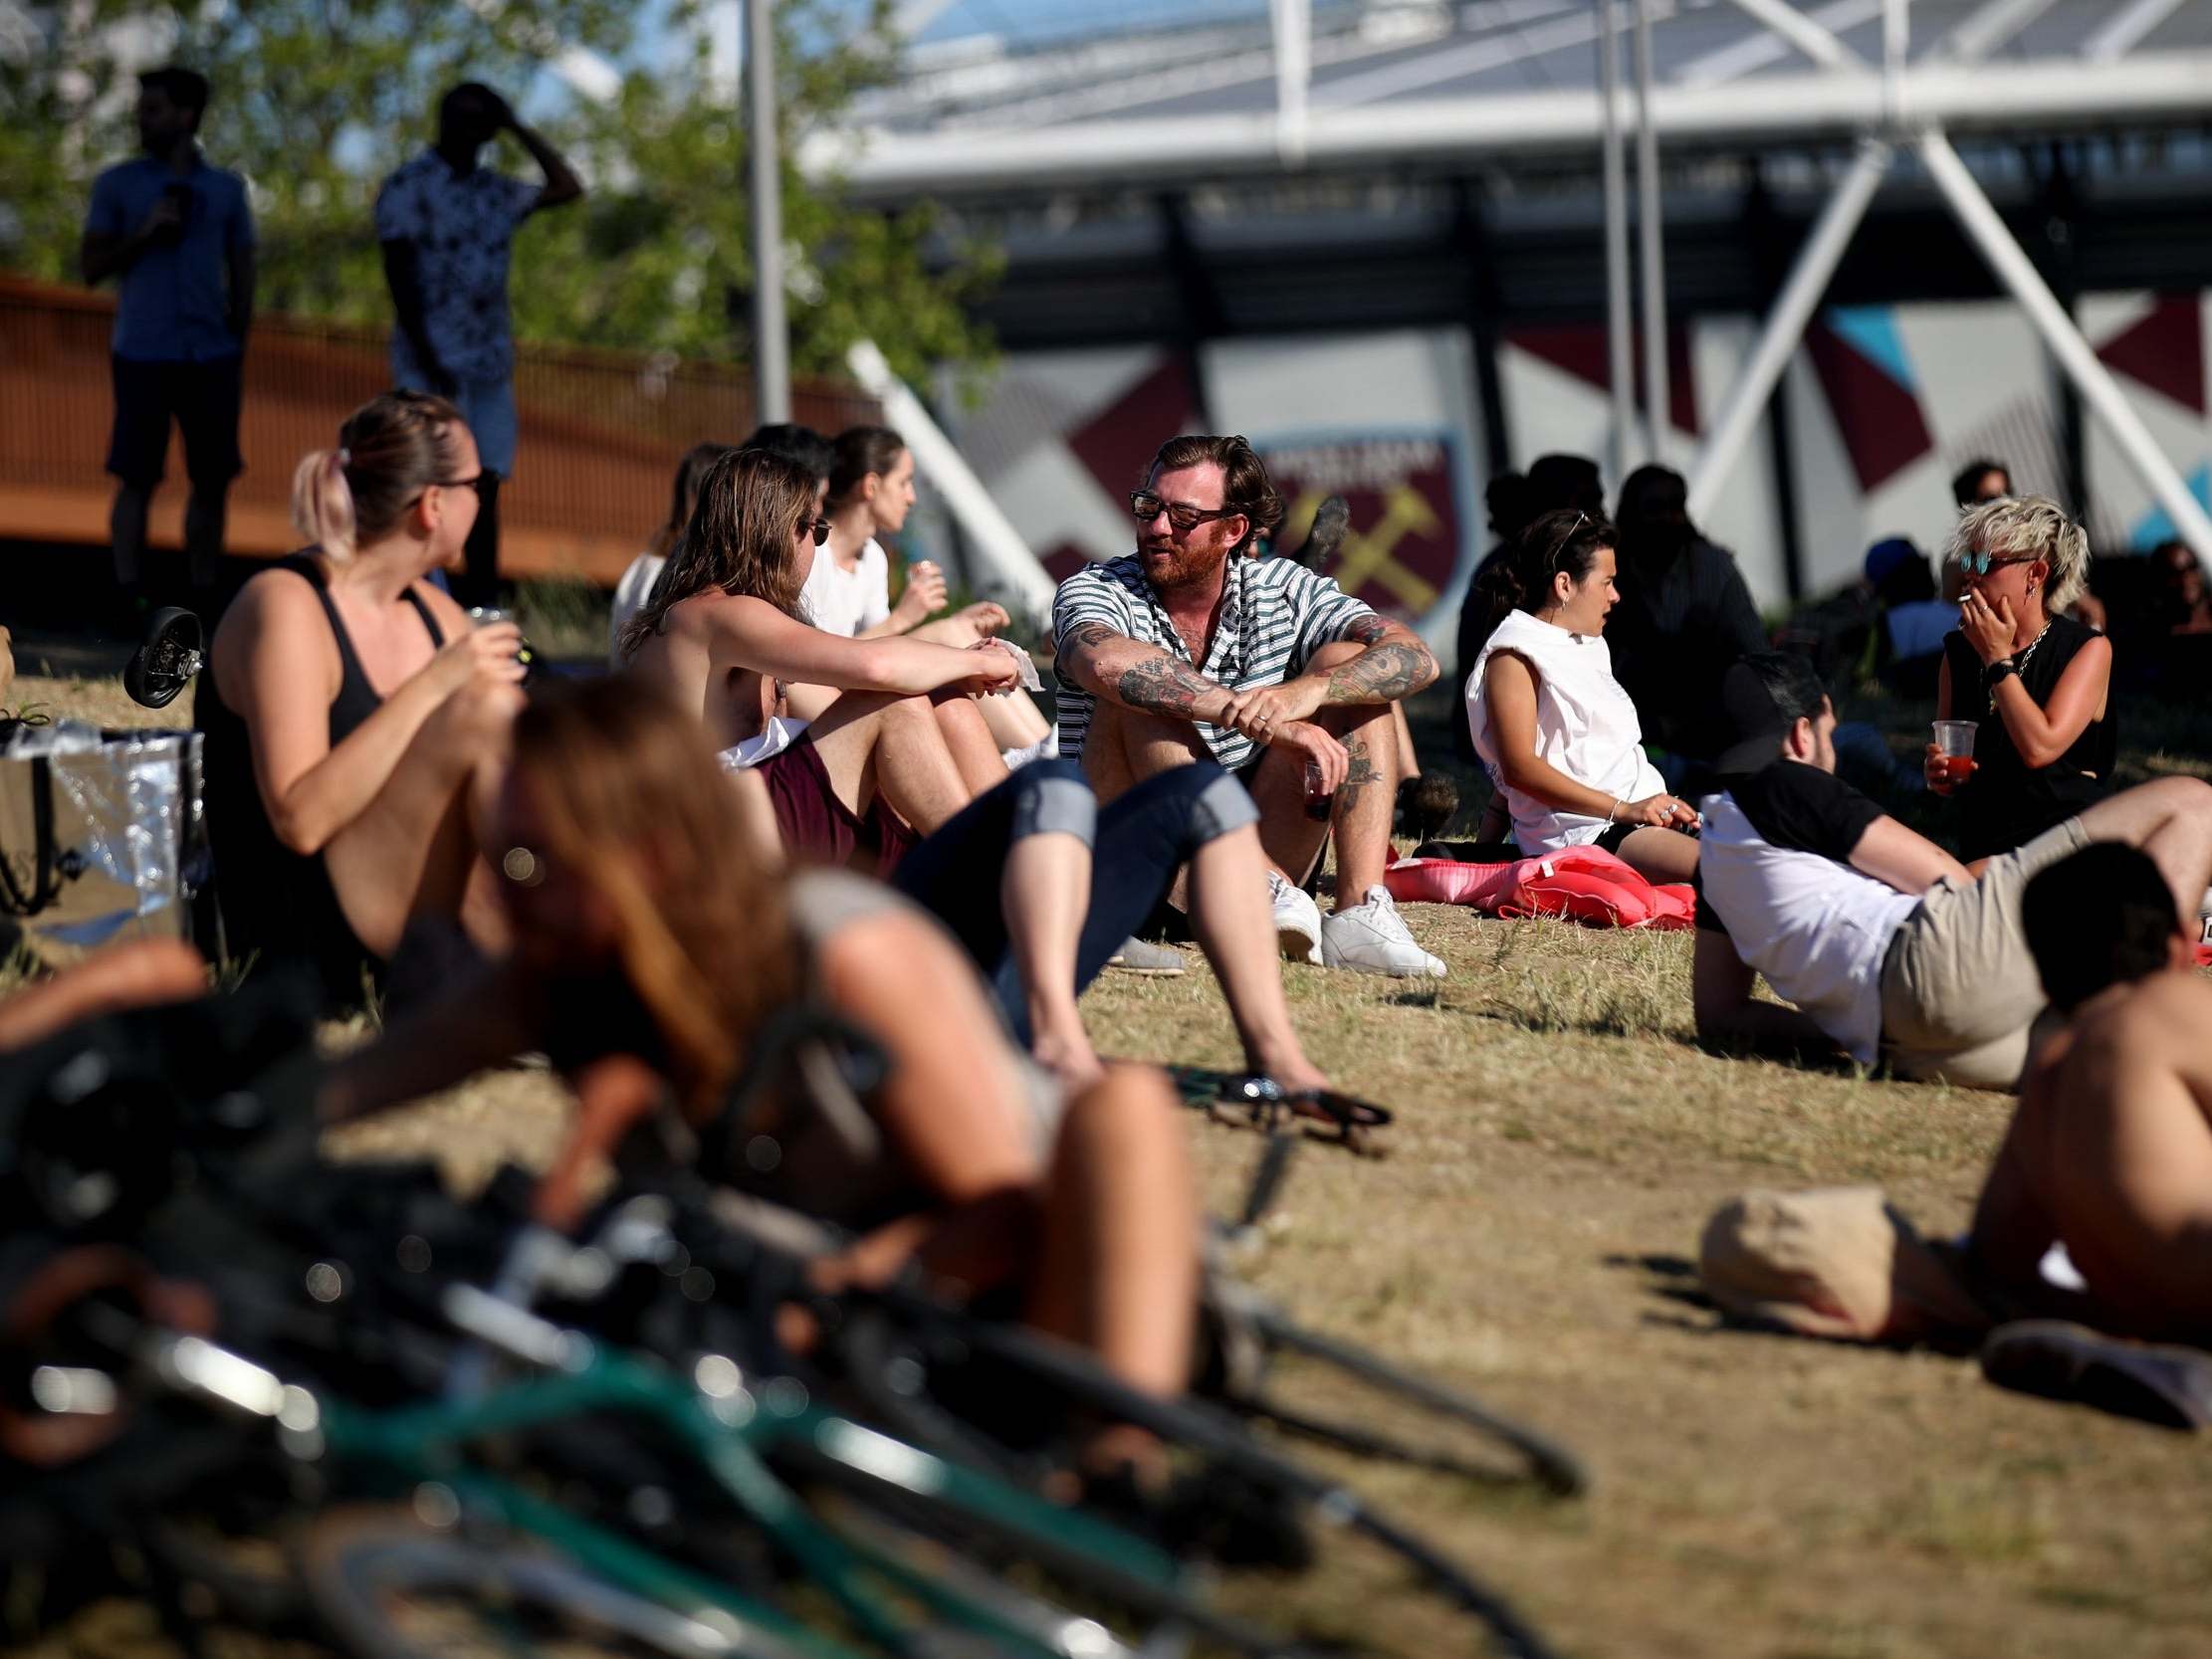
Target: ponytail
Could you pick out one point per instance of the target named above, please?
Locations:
(323, 502)
(391, 450)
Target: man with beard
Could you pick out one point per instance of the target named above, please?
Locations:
(1184, 650)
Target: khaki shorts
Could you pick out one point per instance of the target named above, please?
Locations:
(1959, 987)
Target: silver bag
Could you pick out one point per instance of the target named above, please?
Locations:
(102, 837)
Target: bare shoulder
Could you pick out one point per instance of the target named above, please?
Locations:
(2165, 1015)
(272, 601)
(453, 621)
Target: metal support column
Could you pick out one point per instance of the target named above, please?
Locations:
(1619, 346)
(1651, 234)
(2013, 268)
(771, 343)
(1785, 326)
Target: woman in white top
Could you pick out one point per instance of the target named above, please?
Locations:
(848, 592)
(1557, 733)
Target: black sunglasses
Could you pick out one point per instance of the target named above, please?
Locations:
(475, 482)
(1182, 515)
(818, 528)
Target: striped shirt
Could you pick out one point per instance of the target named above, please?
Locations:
(1274, 616)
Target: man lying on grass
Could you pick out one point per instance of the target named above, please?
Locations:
(2110, 1151)
(1890, 949)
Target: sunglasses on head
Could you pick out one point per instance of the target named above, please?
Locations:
(1182, 515)
(1981, 565)
(1551, 560)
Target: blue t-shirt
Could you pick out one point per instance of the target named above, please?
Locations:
(173, 304)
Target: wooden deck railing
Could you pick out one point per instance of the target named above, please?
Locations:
(600, 432)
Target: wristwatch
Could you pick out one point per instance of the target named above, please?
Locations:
(1996, 670)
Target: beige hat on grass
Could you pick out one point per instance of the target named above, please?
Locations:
(1838, 1262)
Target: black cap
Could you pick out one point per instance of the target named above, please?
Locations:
(1752, 724)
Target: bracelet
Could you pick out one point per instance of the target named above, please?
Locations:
(1613, 811)
(1997, 671)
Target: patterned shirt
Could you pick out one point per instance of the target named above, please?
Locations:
(462, 226)
(1275, 614)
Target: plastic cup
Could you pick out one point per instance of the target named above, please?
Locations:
(1954, 747)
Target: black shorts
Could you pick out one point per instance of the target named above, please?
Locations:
(202, 398)
(1610, 838)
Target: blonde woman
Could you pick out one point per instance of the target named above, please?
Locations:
(2037, 682)
(353, 715)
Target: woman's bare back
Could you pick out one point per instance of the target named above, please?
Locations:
(690, 661)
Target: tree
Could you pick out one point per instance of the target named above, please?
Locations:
(314, 101)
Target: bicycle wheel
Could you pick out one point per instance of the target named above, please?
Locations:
(386, 1587)
(987, 1580)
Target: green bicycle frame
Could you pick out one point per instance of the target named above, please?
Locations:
(730, 1434)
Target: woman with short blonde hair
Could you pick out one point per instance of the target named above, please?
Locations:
(2037, 683)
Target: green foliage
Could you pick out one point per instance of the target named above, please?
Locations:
(314, 101)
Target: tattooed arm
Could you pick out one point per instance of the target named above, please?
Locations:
(1395, 665)
(1139, 676)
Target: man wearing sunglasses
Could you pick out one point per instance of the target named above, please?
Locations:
(1185, 650)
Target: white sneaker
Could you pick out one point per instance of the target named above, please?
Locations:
(1297, 919)
(1371, 939)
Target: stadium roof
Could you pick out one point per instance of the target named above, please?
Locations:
(1002, 96)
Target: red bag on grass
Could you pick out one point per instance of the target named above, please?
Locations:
(1582, 883)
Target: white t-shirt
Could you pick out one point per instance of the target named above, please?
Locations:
(843, 601)
(630, 594)
(1586, 726)
(1772, 875)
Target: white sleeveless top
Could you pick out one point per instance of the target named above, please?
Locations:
(1586, 726)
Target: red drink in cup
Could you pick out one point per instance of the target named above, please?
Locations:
(1955, 757)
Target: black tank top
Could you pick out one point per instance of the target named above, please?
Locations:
(2006, 802)
(278, 907)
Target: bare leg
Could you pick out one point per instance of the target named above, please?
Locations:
(413, 851)
(1660, 855)
(1044, 893)
(1118, 1271)
(1015, 721)
(141, 974)
(968, 740)
(1236, 928)
(126, 531)
(1125, 747)
(879, 739)
(2169, 819)
(1408, 764)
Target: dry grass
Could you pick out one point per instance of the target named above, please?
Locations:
(1560, 1143)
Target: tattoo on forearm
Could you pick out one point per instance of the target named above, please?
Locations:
(1383, 674)
(1163, 685)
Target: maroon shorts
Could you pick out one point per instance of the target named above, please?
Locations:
(819, 828)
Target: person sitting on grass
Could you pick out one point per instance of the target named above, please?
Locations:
(848, 587)
(1557, 732)
(353, 719)
(2038, 683)
(1186, 652)
(801, 445)
(653, 941)
(1889, 947)
(874, 783)
(899, 753)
